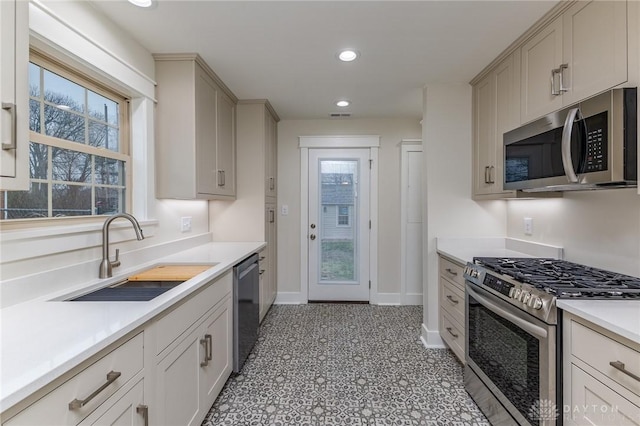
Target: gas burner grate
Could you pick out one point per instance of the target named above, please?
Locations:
(564, 279)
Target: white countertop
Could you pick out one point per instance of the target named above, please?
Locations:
(621, 317)
(46, 337)
(463, 250)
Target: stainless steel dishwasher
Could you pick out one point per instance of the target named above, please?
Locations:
(246, 309)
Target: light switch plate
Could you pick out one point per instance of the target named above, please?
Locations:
(528, 226)
(185, 224)
(284, 209)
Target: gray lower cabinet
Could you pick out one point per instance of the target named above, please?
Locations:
(452, 305)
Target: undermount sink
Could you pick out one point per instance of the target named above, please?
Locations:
(128, 291)
(145, 285)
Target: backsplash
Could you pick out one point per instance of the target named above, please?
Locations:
(596, 228)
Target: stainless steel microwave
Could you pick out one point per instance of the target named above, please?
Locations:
(590, 145)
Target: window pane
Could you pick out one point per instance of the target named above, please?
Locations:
(25, 204)
(71, 200)
(109, 171)
(71, 166)
(62, 92)
(63, 124)
(109, 200)
(102, 108)
(34, 115)
(101, 135)
(38, 160)
(34, 80)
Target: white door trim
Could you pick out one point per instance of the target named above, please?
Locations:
(307, 142)
(406, 145)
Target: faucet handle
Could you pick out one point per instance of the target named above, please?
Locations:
(116, 262)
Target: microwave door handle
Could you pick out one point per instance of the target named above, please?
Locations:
(523, 324)
(567, 162)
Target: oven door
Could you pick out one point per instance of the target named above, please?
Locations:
(511, 361)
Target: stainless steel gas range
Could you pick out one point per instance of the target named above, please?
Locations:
(513, 349)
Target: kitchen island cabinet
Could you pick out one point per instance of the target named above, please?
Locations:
(195, 131)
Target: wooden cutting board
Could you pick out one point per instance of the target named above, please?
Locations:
(170, 273)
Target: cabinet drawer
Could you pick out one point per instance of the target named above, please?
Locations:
(452, 335)
(598, 350)
(176, 322)
(53, 408)
(452, 271)
(594, 403)
(452, 300)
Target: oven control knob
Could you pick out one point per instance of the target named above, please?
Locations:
(525, 297)
(516, 293)
(535, 303)
(512, 291)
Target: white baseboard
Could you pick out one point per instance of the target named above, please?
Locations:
(388, 299)
(413, 299)
(431, 339)
(289, 298)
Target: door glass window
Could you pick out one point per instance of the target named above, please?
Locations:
(338, 242)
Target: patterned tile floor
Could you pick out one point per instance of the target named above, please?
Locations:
(345, 364)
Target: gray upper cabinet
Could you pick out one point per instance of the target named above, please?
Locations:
(195, 130)
(14, 95)
(580, 53)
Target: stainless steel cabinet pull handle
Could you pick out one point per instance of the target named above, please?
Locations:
(208, 350)
(12, 143)
(272, 183)
(112, 376)
(563, 67)
(451, 332)
(486, 174)
(220, 178)
(452, 300)
(144, 411)
(618, 365)
(272, 216)
(261, 272)
(554, 92)
(491, 174)
(454, 273)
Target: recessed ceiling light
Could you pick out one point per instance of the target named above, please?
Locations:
(343, 103)
(141, 3)
(348, 55)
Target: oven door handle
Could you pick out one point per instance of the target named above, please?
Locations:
(523, 324)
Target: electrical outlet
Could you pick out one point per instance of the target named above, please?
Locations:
(528, 226)
(185, 224)
(284, 210)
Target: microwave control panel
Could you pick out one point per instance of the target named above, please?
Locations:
(597, 143)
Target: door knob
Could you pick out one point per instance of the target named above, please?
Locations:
(313, 226)
(312, 236)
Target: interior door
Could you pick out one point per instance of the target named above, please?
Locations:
(338, 233)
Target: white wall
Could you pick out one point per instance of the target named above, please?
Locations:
(448, 209)
(79, 34)
(391, 132)
(596, 228)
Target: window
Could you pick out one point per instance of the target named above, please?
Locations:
(78, 148)
(343, 215)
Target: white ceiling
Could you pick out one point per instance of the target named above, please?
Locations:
(284, 51)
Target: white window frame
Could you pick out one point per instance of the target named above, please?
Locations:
(67, 72)
(338, 215)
